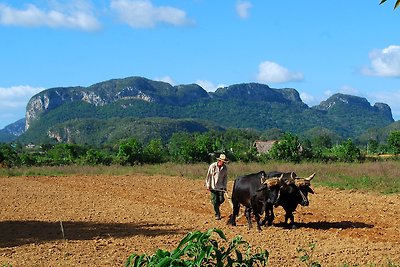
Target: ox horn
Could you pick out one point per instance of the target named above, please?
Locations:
(290, 180)
(311, 177)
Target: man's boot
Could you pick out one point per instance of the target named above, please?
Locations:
(217, 214)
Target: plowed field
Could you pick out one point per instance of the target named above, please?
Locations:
(101, 220)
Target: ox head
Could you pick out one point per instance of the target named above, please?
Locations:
(272, 187)
(285, 178)
(297, 187)
(303, 185)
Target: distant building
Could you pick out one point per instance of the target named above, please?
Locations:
(264, 146)
(30, 146)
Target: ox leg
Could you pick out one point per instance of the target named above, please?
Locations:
(292, 225)
(286, 217)
(289, 216)
(266, 217)
(248, 216)
(258, 220)
(269, 215)
(235, 213)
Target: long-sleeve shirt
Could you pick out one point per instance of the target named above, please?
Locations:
(217, 178)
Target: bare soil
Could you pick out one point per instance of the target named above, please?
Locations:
(101, 220)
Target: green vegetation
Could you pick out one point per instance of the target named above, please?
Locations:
(183, 147)
(343, 165)
(289, 149)
(105, 125)
(137, 107)
(306, 256)
(377, 176)
(200, 249)
(394, 142)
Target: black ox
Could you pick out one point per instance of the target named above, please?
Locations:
(258, 194)
(293, 193)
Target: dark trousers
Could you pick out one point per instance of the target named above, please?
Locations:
(217, 198)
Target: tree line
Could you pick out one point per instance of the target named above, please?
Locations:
(183, 147)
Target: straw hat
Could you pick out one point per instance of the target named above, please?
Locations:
(223, 158)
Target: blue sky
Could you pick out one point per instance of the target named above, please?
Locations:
(317, 47)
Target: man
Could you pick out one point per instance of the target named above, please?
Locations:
(216, 182)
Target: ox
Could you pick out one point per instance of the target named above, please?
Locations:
(294, 193)
(256, 193)
(285, 178)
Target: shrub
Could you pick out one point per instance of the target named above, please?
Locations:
(97, 157)
(288, 149)
(306, 256)
(394, 142)
(8, 156)
(130, 152)
(346, 152)
(154, 152)
(199, 249)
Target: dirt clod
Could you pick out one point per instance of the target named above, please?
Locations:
(107, 218)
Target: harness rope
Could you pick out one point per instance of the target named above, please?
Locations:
(303, 196)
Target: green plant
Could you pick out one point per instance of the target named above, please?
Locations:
(347, 151)
(306, 256)
(394, 142)
(95, 157)
(8, 156)
(155, 152)
(130, 152)
(289, 149)
(200, 249)
(395, 5)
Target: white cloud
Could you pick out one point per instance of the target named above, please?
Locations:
(328, 93)
(384, 62)
(205, 84)
(209, 86)
(271, 72)
(15, 93)
(142, 14)
(167, 79)
(307, 98)
(317, 98)
(13, 102)
(392, 98)
(348, 90)
(242, 8)
(345, 89)
(76, 15)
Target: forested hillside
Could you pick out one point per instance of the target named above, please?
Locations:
(139, 107)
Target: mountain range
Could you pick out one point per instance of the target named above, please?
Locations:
(106, 112)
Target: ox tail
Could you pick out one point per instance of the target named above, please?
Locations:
(229, 199)
(231, 220)
(231, 204)
(240, 215)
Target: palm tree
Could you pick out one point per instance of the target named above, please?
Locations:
(395, 5)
